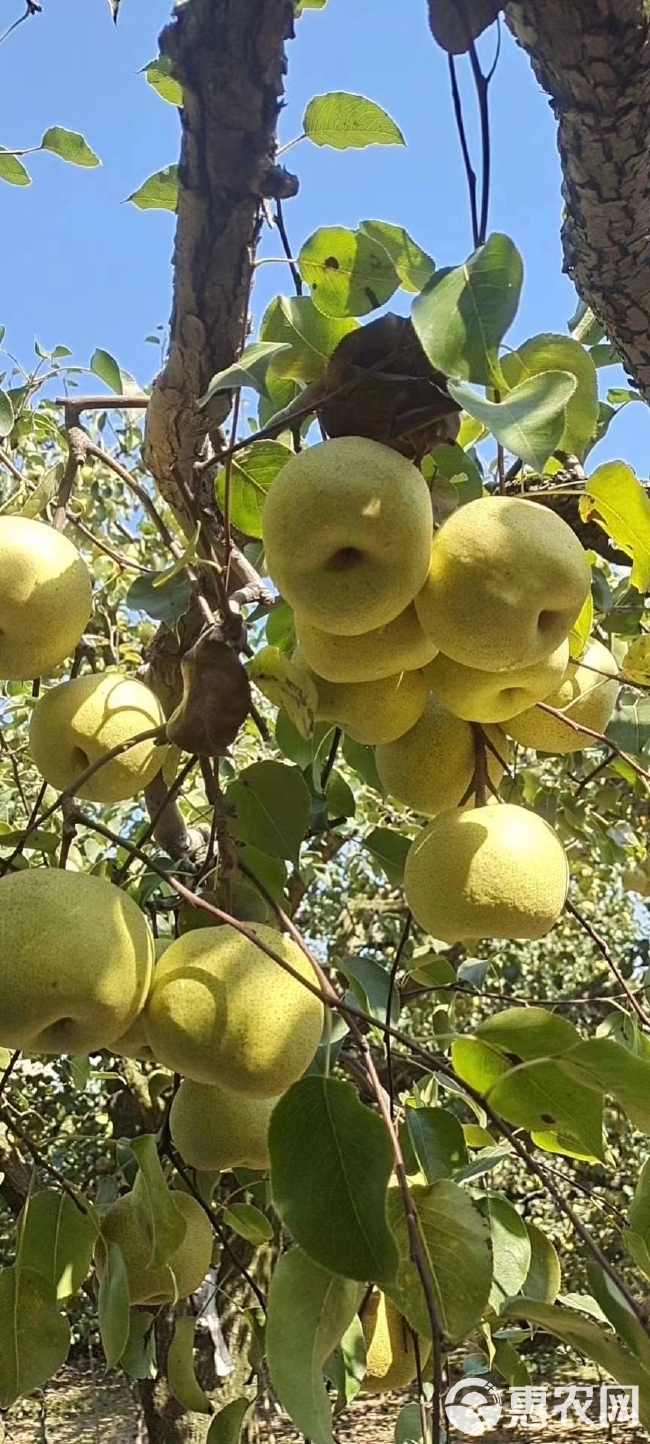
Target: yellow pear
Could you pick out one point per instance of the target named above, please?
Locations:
(222, 1011)
(76, 957)
(78, 722)
(431, 767)
(133, 1043)
(399, 646)
(213, 1129)
(152, 1283)
(507, 579)
(390, 1355)
(373, 712)
(480, 696)
(45, 598)
(587, 696)
(497, 872)
(347, 528)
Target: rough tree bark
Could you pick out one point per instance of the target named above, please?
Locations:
(593, 59)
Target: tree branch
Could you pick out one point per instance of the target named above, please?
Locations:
(593, 59)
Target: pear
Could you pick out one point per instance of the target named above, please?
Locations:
(216, 1130)
(347, 528)
(133, 1043)
(587, 696)
(76, 958)
(373, 712)
(507, 580)
(390, 1355)
(149, 1282)
(78, 722)
(222, 1011)
(480, 696)
(45, 598)
(399, 646)
(431, 767)
(497, 872)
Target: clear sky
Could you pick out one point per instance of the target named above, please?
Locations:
(84, 269)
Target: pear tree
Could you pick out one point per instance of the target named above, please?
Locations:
(325, 800)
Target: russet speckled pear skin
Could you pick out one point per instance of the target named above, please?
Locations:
(78, 722)
(45, 598)
(431, 767)
(215, 1130)
(152, 1283)
(401, 645)
(390, 1355)
(587, 696)
(480, 696)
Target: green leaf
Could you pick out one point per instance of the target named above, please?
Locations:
(34, 1335)
(70, 146)
(159, 192)
(160, 1220)
(596, 1343)
(527, 1033)
(45, 491)
(139, 1357)
(227, 1425)
(250, 370)
(160, 77)
(511, 1249)
(105, 366)
(6, 415)
(346, 1367)
(181, 1377)
(414, 267)
(639, 1211)
(56, 1239)
(611, 1068)
(618, 1311)
(164, 604)
(309, 1310)
(438, 1141)
(529, 422)
(389, 848)
(456, 1244)
(408, 1429)
(584, 327)
(544, 1278)
(345, 121)
(271, 802)
(349, 274)
(249, 1223)
(478, 1064)
(630, 726)
(544, 1095)
(581, 629)
(301, 5)
(451, 463)
(310, 335)
(113, 1305)
(615, 498)
(331, 1159)
(463, 314)
(549, 352)
(370, 983)
(254, 468)
(13, 171)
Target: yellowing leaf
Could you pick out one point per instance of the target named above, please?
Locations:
(636, 663)
(286, 685)
(616, 500)
(581, 629)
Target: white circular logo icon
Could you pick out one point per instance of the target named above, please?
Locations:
(473, 1406)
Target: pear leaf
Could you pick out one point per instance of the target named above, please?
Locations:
(34, 1334)
(56, 1239)
(349, 273)
(463, 314)
(181, 1377)
(113, 1304)
(456, 1244)
(529, 421)
(331, 1159)
(544, 1278)
(309, 1310)
(616, 500)
(160, 1220)
(271, 803)
(549, 352)
(345, 121)
(308, 335)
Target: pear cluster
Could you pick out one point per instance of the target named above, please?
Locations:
(440, 647)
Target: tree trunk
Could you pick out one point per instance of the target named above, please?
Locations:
(593, 59)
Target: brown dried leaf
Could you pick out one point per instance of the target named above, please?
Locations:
(216, 698)
(454, 23)
(392, 392)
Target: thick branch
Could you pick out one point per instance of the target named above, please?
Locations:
(593, 58)
(229, 57)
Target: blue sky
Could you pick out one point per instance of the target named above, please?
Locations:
(82, 268)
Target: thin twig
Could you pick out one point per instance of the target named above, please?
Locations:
(104, 403)
(39, 1158)
(282, 232)
(9, 1070)
(598, 737)
(470, 173)
(603, 949)
(389, 1007)
(331, 759)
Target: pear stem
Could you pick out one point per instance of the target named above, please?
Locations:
(480, 779)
